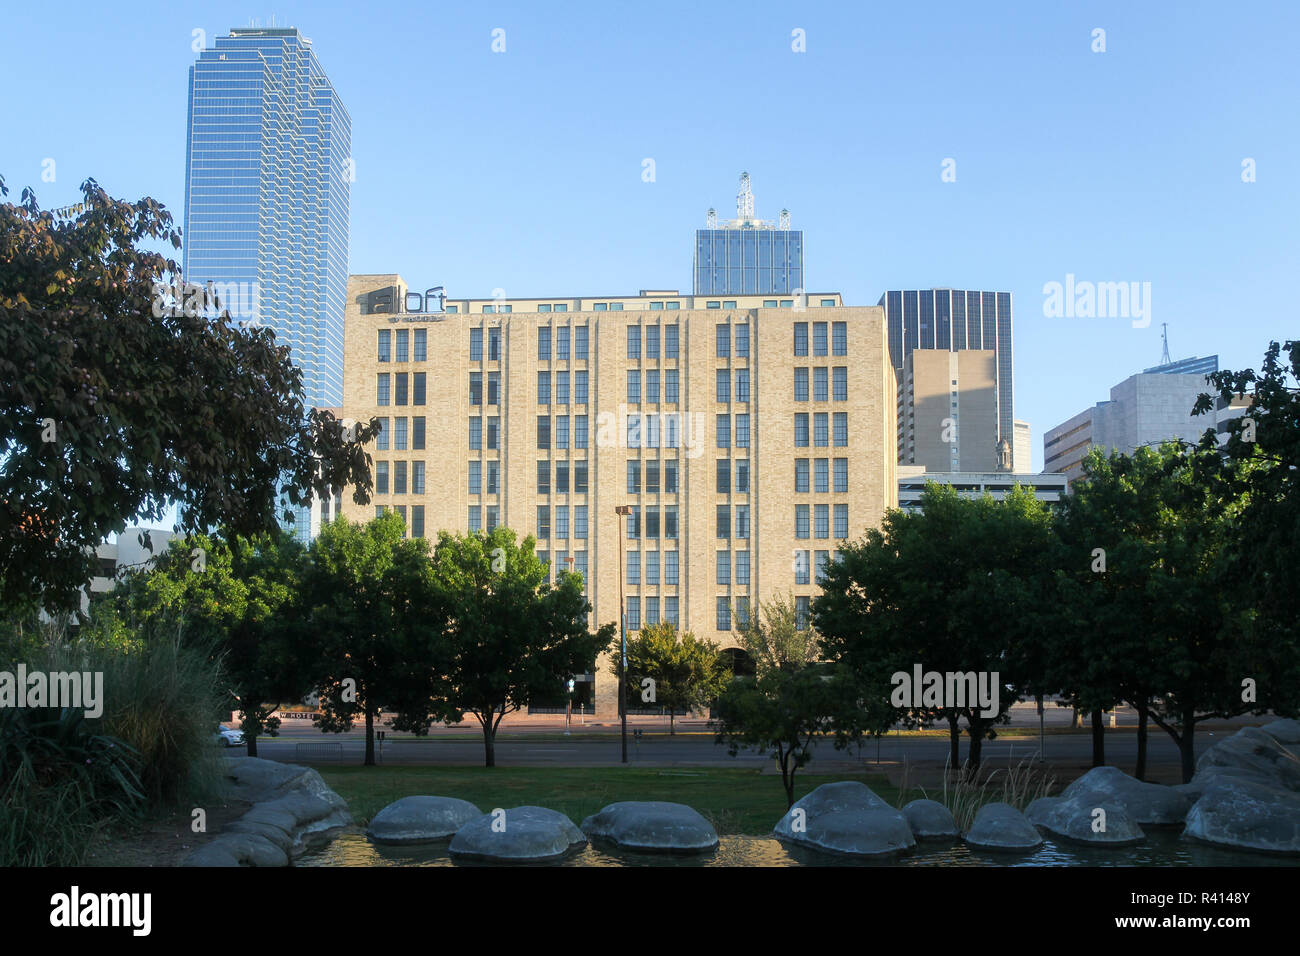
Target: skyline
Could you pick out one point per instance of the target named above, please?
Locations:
(1123, 166)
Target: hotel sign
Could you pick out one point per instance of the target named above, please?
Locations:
(415, 306)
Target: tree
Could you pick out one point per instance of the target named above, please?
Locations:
(242, 595)
(375, 625)
(774, 637)
(93, 436)
(686, 673)
(511, 634)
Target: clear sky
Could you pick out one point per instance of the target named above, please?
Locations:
(523, 170)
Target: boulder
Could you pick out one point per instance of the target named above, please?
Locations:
(930, 820)
(1247, 814)
(1286, 732)
(1252, 753)
(1075, 817)
(521, 834)
(652, 825)
(846, 818)
(421, 820)
(1152, 804)
(1000, 826)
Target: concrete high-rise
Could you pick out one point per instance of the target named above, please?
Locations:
(750, 441)
(748, 256)
(267, 193)
(948, 411)
(950, 320)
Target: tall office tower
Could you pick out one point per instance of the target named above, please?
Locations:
(948, 411)
(267, 191)
(951, 320)
(750, 439)
(1144, 409)
(748, 256)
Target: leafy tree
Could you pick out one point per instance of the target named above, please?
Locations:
(687, 673)
(93, 436)
(374, 627)
(243, 596)
(774, 638)
(511, 634)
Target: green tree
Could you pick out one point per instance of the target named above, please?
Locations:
(686, 673)
(511, 634)
(774, 637)
(375, 627)
(92, 436)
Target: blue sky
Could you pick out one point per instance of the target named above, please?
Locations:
(522, 170)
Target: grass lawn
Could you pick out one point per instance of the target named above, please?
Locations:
(734, 801)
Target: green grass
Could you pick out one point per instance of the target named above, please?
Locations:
(734, 801)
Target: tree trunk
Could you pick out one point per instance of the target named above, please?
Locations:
(954, 743)
(1141, 769)
(787, 774)
(975, 728)
(671, 726)
(370, 737)
(1187, 745)
(489, 741)
(1098, 739)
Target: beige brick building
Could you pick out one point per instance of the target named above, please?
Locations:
(948, 411)
(751, 435)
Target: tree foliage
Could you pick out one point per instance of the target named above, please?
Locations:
(687, 673)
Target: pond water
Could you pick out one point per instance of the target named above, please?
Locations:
(1162, 848)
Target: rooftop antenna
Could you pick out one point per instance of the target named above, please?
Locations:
(711, 219)
(1164, 337)
(744, 200)
(785, 218)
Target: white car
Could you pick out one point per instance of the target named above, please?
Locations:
(228, 737)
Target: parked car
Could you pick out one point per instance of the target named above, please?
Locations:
(228, 737)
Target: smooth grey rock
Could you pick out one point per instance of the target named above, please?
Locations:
(1152, 804)
(930, 820)
(1247, 814)
(255, 779)
(1285, 731)
(653, 825)
(528, 834)
(1073, 818)
(274, 834)
(1253, 753)
(214, 854)
(1000, 826)
(846, 818)
(421, 819)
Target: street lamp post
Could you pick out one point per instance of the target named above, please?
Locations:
(622, 510)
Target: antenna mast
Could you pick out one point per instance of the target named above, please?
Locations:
(744, 200)
(1164, 337)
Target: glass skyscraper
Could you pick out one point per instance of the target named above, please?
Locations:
(748, 256)
(953, 320)
(267, 191)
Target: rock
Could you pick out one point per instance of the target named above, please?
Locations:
(1286, 732)
(846, 818)
(517, 835)
(1152, 804)
(1247, 814)
(652, 825)
(421, 820)
(1000, 826)
(1252, 753)
(930, 820)
(1074, 818)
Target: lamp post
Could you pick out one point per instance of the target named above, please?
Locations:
(622, 510)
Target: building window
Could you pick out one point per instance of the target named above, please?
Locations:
(723, 341)
(476, 388)
(633, 341)
(828, 303)
(841, 429)
(742, 340)
(652, 522)
(399, 477)
(381, 477)
(670, 341)
(475, 521)
(476, 345)
(822, 521)
(494, 388)
(634, 522)
(801, 430)
(742, 567)
(403, 345)
(417, 433)
(561, 388)
(476, 433)
(670, 477)
(561, 477)
(801, 338)
(580, 387)
(742, 475)
(742, 521)
(801, 613)
(713, 304)
(417, 388)
(670, 522)
(634, 477)
(421, 355)
(723, 427)
(543, 388)
(580, 342)
(724, 567)
(493, 518)
(819, 338)
(417, 521)
(841, 521)
(821, 483)
(580, 475)
(385, 345)
(401, 389)
(670, 385)
(543, 477)
(724, 521)
(381, 388)
(801, 567)
(801, 475)
(652, 342)
(633, 387)
(819, 566)
(494, 355)
(670, 567)
(544, 343)
(841, 376)
(562, 341)
(633, 613)
(819, 384)
(801, 385)
(670, 610)
(399, 434)
(543, 431)
(493, 473)
(561, 431)
(580, 521)
(840, 338)
(652, 567)
(381, 437)
(562, 522)
(742, 385)
(841, 475)
(476, 477)
(656, 306)
(821, 429)
(724, 615)
(801, 521)
(742, 431)
(652, 386)
(723, 476)
(651, 610)
(579, 431)
(493, 432)
(634, 431)
(723, 383)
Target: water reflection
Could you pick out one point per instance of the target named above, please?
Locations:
(1162, 848)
